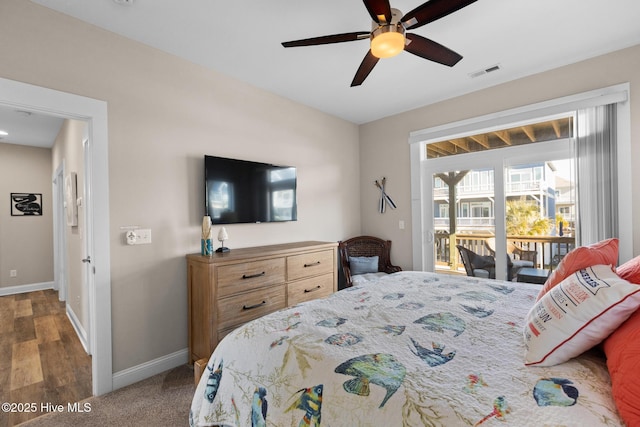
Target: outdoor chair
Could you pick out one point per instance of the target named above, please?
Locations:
(477, 265)
(517, 257)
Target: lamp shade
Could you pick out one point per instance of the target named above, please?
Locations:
(387, 41)
(222, 234)
(387, 45)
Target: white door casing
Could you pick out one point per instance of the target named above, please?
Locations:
(94, 112)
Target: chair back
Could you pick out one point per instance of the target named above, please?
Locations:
(514, 251)
(466, 259)
(490, 244)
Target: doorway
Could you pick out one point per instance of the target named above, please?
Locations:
(94, 113)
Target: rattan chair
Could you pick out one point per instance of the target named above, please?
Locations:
(366, 246)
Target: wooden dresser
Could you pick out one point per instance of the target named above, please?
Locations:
(229, 289)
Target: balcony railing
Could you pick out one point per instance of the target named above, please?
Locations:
(511, 188)
(549, 249)
(473, 222)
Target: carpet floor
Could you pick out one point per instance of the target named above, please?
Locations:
(162, 400)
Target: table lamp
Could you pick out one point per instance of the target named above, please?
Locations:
(222, 236)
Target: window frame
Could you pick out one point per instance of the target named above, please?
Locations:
(421, 193)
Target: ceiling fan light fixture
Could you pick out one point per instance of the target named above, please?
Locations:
(387, 41)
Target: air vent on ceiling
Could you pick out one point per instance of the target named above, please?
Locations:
(485, 71)
(124, 2)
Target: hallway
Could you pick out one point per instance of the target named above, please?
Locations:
(41, 357)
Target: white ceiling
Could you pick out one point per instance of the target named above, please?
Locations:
(28, 127)
(242, 39)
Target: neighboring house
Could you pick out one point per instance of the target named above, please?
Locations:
(535, 183)
(565, 203)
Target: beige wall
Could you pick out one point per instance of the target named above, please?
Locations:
(67, 148)
(26, 243)
(164, 115)
(384, 150)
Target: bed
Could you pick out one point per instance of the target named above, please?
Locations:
(409, 349)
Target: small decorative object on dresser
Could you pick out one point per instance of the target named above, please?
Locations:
(206, 246)
(229, 289)
(222, 236)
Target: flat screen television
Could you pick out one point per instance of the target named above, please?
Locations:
(241, 191)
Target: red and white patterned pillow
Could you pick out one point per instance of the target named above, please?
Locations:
(604, 252)
(578, 313)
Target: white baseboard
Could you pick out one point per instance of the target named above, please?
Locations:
(21, 289)
(150, 368)
(80, 331)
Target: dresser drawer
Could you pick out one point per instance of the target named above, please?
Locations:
(309, 264)
(308, 289)
(239, 309)
(248, 276)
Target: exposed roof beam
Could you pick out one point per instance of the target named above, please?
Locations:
(556, 128)
(528, 130)
(534, 132)
(435, 150)
(504, 135)
(461, 143)
(481, 139)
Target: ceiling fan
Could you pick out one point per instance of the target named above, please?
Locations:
(389, 37)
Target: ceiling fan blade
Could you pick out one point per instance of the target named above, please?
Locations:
(365, 68)
(431, 11)
(428, 49)
(334, 38)
(380, 10)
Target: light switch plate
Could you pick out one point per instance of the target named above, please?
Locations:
(139, 236)
(143, 236)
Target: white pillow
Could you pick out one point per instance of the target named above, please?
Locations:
(577, 314)
(363, 264)
(361, 279)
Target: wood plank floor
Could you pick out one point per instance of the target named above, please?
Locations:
(41, 357)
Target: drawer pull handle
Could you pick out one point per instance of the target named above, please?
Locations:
(251, 307)
(251, 276)
(306, 291)
(312, 264)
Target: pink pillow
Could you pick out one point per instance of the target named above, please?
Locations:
(630, 270)
(604, 253)
(623, 360)
(580, 312)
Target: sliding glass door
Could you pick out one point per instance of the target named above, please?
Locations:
(540, 213)
(463, 214)
(499, 199)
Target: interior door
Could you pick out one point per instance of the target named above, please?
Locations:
(60, 236)
(87, 235)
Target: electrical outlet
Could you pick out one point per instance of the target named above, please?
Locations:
(13, 273)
